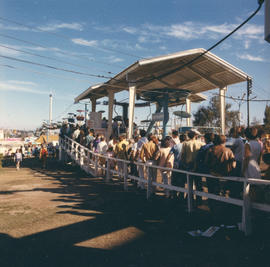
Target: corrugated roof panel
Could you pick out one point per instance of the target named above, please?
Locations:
(205, 73)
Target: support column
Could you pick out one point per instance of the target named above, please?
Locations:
(150, 127)
(110, 112)
(125, 111)
(132, 93)
(94, 104)
(188, 110)
(166, 114)
(222, 93)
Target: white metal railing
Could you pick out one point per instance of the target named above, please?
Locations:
(89, 162)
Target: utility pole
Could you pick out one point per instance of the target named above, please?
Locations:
(239, 102)
(249, 92)
(85, 113)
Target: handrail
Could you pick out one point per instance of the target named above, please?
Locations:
(232, 178)
(71, 147)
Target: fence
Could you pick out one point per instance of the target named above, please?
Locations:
(89, 162)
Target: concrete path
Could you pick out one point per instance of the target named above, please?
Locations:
(62, 217)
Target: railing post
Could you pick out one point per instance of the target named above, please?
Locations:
(96, 165)
(246, 210)
(76, 152)
(72, 148)
(88, 160)
(190, 193)
(67, 144)
(149, 183)
(82, 154)
(108, 174)
(125, 176)
(60, 157)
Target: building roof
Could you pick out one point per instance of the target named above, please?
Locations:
(193, 70)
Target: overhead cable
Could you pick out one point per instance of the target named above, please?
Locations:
(41, 56)
(43, 73)
(208, 50)
(59, 51)
(55, 68)
(67, 37)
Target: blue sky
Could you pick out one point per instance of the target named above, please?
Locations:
(104, 37)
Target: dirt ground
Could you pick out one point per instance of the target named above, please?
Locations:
(62, 217)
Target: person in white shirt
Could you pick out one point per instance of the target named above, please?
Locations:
(102, 148)
(252, 155)
(113, 141)
(18, 159)
(134, 156)
(143, 140)
(175, 139)
(76, 134)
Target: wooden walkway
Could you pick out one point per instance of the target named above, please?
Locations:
(62, 217)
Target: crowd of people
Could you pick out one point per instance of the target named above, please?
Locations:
(40, 152)
(207, 154)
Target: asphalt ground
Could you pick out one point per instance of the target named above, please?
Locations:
(60, 216)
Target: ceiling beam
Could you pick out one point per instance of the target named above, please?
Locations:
(205, 77)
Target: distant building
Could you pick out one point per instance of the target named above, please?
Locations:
(1, 134)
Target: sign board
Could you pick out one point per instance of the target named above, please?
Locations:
(158, 116)
(94, 120)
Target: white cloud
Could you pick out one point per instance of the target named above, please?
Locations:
(185, 31)
(8, 52)
(221, 29)
(190, 30)
(225, 46)
(138, 47)
(40, 48)
(84, 42)
(70, 26)
(163, 47)
(142, 39)
(13, 28)
(247, 44)
(22, 82)
(251, 58)
(113, 59)
(21, 86)
(251, 31)
(130, 30)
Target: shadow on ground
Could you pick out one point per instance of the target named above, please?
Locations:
(127, 230)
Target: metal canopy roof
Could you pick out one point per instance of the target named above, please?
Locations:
(205, 73)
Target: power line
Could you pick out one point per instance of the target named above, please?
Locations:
(46, 73)
(241, 99)
(58, 50)
(67, 38)
(42, 73)
(208, 50)
(55, 68)
(259, 87)
(62, 113)
(46, 57)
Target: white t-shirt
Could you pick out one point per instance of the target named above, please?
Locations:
(76, 134)
(141, 142)
(102, 147)
(18, 156)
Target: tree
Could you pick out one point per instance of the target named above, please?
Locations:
(210, 116)
(266, 119)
